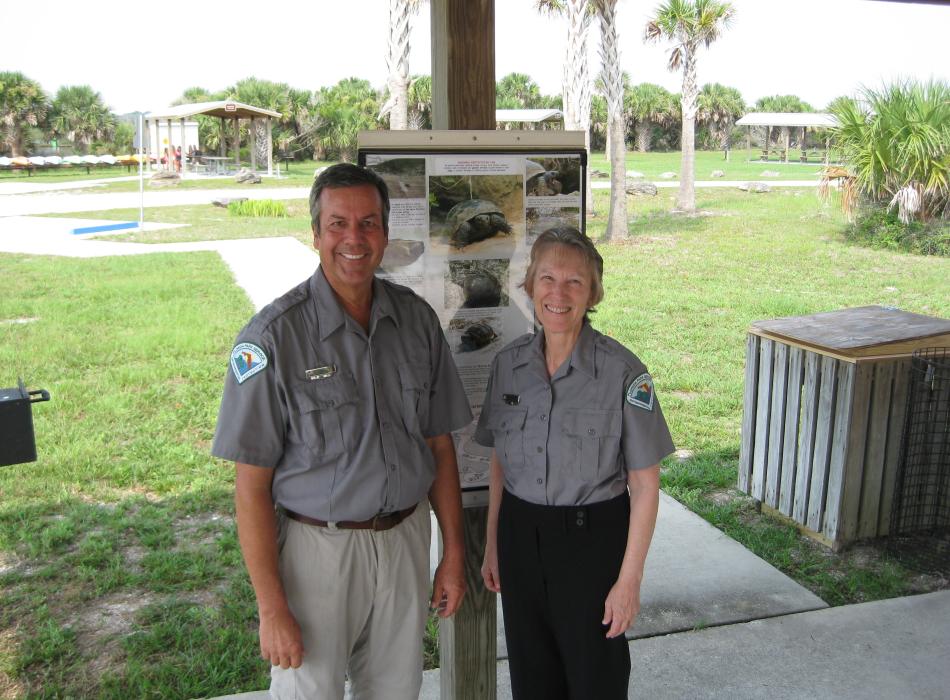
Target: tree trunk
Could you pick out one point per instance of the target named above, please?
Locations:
(687, 195)
(610, 58)
(397, 63)
(644, 132)
(577, 80)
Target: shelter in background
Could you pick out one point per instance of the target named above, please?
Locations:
(788, 121)
(223, 110)
(508, 117)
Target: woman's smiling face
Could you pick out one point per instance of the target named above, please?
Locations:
(561, 290)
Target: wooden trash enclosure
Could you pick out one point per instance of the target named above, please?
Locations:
(823, 415)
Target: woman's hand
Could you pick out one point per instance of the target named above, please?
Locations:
(490, 569)
(621, 607)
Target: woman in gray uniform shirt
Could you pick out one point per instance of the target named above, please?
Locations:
(578, 436)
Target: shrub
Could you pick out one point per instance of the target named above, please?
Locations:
(880, 227)
(257, 208)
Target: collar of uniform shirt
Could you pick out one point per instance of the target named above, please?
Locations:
(330, 314)
(582, 356)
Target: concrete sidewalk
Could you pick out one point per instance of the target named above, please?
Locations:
(895, 648)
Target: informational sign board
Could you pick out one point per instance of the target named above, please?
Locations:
(465, 208)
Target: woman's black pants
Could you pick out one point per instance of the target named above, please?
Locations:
(556, 565)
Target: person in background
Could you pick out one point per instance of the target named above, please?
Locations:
(577, 437)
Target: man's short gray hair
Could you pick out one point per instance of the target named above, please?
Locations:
(346, 175)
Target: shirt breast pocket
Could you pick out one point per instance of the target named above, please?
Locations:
(591, 440)
(414, 379)
(507, 426)
(327, 414)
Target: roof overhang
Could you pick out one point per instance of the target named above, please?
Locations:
(229, 109)
(795, 119)
(528, 115)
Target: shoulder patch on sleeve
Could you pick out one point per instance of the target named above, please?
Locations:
(247, 360)
(640, 392)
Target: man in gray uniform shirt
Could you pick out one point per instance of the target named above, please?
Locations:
(338, 410)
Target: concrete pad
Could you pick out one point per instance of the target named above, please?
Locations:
(264, 267)
(696, 576)
(60, 202)
(887, 649)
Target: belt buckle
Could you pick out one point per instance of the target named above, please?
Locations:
(377, 518)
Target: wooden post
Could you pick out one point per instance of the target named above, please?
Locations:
(788, 138)
(463, 64)
(181, 132)
(237, 142)
(252, 138)
(270, 147)
(463, 97)
(222, 138)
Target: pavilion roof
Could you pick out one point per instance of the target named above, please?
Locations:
(799, 119)
(528, 115)
(222, 108)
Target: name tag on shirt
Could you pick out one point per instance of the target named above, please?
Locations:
(511, 399)
(320, 372)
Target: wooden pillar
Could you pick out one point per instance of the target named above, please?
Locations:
(463, 97)
(463, 64)
(768, 140)
(171, 161)
(788, 138)
(237, 142)
(270, 146)
(252, 138)
(748, 141)
(184, 151)
(222, 138)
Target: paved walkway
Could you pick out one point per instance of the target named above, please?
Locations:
(767, 636)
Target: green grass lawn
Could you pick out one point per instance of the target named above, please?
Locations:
(120, 573)
(740, 165)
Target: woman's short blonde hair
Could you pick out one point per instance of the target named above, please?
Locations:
(570, 238)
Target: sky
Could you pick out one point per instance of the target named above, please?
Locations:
(142, 56)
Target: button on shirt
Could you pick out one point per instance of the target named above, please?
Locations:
(570, 439)
(348, 441)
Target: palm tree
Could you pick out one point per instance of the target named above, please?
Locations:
(647, 106)
(397, 62)
(898, 147)
(23, 105)
(79, 115)
(613, 92)
(517, 91)
(689, 25)
(420, 102)
(341, 112)
(576, 86)
(718, 109)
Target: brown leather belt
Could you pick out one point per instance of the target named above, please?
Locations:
(379, 522)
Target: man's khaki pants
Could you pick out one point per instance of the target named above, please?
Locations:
(361, 599)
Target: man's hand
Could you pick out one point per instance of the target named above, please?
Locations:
(448, 587)
(281, 643)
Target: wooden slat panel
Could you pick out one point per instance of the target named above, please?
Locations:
(773, 469)
(796, 367)
(763, 403)
(874, 454)
(748, 412)
(895, 431)
(844, 491)
(823, 438)
(809, 426)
